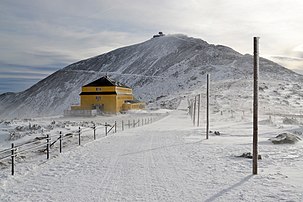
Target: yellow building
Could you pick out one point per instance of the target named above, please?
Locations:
(108, 96)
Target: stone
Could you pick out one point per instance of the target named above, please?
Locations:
(285, 138)
(249, 155)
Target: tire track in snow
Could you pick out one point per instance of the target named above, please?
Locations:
(109, 184)
(149, 165)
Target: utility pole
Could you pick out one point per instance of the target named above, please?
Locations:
(255, 105)
(207, 106)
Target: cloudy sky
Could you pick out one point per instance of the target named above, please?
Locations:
(39, 37)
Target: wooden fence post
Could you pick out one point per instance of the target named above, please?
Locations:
(128, 123)
(122, 125)
(47, 146)
(115, 126)
(60, 142)
(105, 129)
(79, 136)
(134, 124)
(13, 159)
(94, 131)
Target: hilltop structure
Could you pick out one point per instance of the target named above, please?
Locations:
(158, 35)
(104, 95)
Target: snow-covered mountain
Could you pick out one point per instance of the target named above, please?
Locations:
(161, 71)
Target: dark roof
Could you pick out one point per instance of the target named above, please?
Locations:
(106, 81)
(98, 93)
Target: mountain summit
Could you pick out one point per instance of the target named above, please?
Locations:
(161, 71)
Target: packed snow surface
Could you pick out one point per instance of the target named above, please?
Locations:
(168, 160)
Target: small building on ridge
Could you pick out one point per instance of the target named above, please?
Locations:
(104, 95)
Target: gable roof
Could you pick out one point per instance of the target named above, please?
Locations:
(106, 81)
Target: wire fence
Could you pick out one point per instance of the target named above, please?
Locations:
(51, 144)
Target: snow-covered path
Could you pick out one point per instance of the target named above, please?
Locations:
(166, 161)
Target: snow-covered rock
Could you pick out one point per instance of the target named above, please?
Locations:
(285, 138)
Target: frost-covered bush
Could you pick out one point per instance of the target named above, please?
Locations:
(291, 121)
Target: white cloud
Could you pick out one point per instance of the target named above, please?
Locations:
(44, 33)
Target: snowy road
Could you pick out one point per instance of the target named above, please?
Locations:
(166, 161)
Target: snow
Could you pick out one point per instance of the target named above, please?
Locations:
(168, 160)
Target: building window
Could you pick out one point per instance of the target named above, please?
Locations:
(98, 89)
(98, 98)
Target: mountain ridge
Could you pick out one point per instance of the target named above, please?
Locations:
(175, 65)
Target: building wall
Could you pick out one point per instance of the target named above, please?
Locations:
(106, 103)
(129, 106)
(99, 89)
(123, 95)
(121, 90)
(76, 107)
(78, 112)
(121, 100)
(109, 103)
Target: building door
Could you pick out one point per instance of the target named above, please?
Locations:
(100, 108)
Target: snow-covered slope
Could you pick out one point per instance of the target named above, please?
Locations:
(168, 160)
(161, 71)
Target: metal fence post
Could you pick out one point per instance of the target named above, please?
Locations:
(13, 159)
